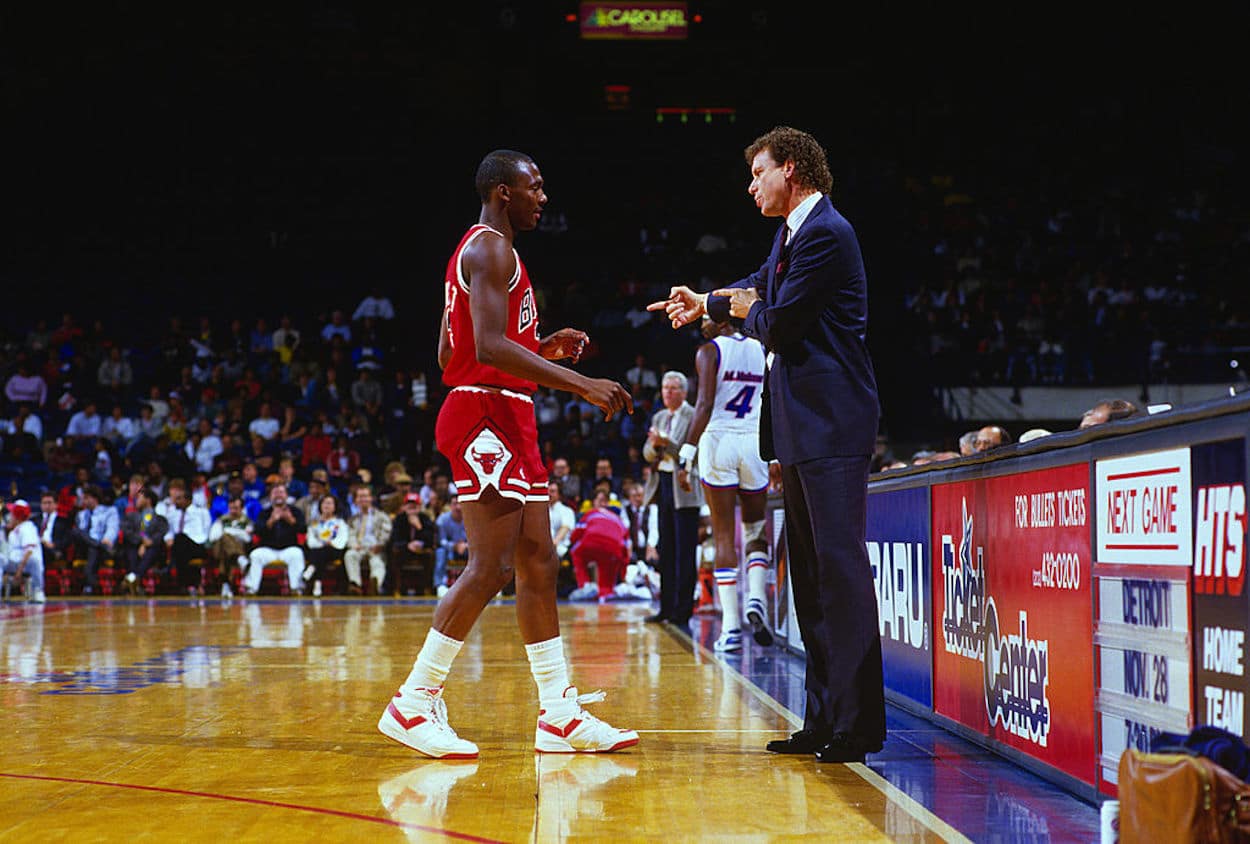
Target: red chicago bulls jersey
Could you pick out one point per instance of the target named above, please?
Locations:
(522, 325)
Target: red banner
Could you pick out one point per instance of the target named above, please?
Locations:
(1012, 655)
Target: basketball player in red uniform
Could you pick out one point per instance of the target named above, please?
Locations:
(492, 359)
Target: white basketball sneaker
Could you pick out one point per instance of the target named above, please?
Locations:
(730, 640)
(570, 729)
(419, 721)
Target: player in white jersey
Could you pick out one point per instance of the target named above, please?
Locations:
(726, 427)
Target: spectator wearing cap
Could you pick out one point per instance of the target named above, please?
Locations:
(394, 501)
(412, 539)
(328, 536)
(370, 534)
(278, 530)
(318, 486)
(25, 557)
(95, 532)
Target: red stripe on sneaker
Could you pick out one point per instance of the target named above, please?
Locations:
(556, 731)
(756, 565)
(406, 723)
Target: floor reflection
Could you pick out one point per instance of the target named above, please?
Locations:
(418, 798)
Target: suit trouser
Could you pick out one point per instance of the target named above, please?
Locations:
(826, 503)
(96, 553)
(377, 566)
(679, 536)
(138, 562)
(292, 558)
(184, 550)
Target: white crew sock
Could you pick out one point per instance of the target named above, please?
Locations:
(727, 589)
(433, 663)
(550, 671)
(757, 576)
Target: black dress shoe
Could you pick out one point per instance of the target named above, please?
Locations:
(658, 618)
(804, 741)
(842, 748)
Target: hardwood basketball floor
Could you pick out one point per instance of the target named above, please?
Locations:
(255, 720)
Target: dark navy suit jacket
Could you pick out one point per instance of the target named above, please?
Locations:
(821, 395)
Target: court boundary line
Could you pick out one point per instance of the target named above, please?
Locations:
(461, 836)
(918, 811)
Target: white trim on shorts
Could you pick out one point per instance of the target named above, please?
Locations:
(498, 391)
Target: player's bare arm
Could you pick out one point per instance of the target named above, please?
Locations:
(705, 364)
(489, 264)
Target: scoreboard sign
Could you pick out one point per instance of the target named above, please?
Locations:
(634, 21)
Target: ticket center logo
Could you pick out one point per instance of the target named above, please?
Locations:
(964, 580)
(1017, 679)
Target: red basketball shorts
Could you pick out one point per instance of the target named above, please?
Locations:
(491, 439)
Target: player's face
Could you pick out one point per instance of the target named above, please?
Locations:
(768, 185)
(526, 197)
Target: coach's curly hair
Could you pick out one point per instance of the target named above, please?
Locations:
(811, 165)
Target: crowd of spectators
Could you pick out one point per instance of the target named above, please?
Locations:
(196, 461)
(1093, 281)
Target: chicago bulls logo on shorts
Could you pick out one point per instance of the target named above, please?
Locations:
(488, 457)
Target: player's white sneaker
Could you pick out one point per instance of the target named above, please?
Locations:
(730, 640)
(419, 721)
(571, 729)
(316, 588)
(39, 597)
(757, 617)
(589, 592)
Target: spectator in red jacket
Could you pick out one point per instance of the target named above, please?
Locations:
(317, 444)
(602, 538)
(343, 461)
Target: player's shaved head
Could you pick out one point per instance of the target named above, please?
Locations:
(501, 167)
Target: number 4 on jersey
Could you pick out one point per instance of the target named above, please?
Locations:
(740, 404)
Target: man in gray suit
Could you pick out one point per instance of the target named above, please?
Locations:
(679, 510)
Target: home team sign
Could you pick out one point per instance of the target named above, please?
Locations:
(1144, 509)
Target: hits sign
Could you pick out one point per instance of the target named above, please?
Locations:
(1144, 509)
(1221, 605)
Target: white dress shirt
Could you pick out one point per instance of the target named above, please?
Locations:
(796, 218)
(194, 521)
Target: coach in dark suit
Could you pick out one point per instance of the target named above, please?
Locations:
(808, 305)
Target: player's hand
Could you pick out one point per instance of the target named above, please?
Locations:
(740, 299)
(609, 396)
(683, 306)
(565, 343)
(683, 480)
(774, 477)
